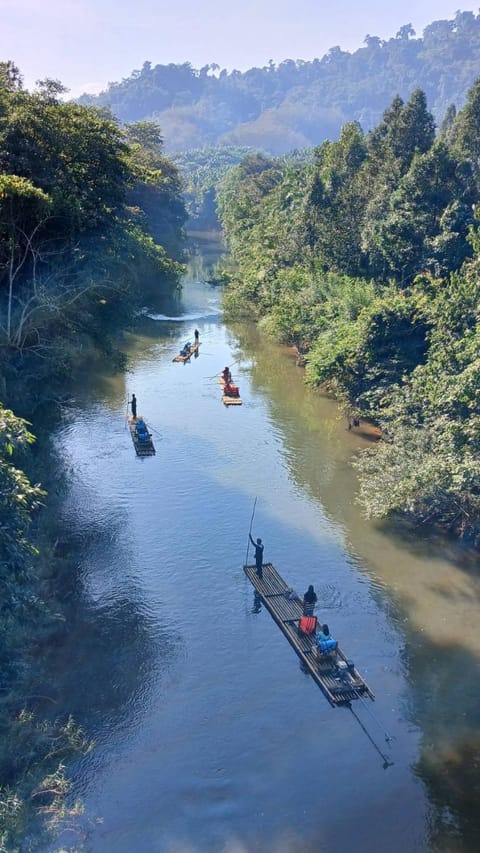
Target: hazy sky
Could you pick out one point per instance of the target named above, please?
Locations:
(87, 43)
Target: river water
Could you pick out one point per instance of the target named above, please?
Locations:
(209, 736)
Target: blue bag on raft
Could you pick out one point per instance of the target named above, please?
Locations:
(327, 645)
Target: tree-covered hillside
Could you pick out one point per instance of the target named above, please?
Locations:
(297, 104)
(368, 259)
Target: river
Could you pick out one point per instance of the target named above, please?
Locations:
(209, 736)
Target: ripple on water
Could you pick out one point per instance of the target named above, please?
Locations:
(184, 318)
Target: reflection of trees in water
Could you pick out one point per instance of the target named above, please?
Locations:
(425, 542)
(297, 412)
(444, 681)
(107, 663)
(105, 657)
(444, 684)
(257, 603)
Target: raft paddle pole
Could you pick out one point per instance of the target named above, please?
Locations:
(250, 530)
(387, 761)
(219, 372)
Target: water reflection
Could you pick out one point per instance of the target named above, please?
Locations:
(109, 659)
(257, 603)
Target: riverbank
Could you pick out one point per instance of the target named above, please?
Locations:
(40, 582)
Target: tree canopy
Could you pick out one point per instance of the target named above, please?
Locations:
(86, 207)
(367, 258)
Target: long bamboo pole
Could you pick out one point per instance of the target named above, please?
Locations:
(250, 531)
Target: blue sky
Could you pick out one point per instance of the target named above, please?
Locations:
(87, 43)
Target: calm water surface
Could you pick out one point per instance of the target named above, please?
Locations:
(209, 736)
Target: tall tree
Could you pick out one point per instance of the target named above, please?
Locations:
(335, 202)
(465, 132)
(429, 215)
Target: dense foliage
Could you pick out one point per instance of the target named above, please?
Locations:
(88, 213)
(90, 216)
(201, 171)
(33, 749)
(368, 259)
(297, 104)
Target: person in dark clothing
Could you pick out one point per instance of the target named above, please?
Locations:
(309, 601)
(133, 404)
(258, 554)
(197, 335)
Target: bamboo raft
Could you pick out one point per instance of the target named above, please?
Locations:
(192, 350)
(340, 688)
(142, 447)
(226, 400)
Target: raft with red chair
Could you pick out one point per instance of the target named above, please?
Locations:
(230, 392)
(335, 674)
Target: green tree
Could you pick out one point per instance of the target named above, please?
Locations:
(405, 131)
(24, 211)
(428, 217)
(156, 187)
(465, 132)
(335, 203)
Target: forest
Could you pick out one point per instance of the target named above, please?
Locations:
(297, 104)
(363, 252)
(367, 258)
(91, 222)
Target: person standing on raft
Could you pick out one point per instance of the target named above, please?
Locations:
(133, 403)
(309, 601)
(196, 335)
(258, 555)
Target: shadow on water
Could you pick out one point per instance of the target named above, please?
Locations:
(206, 250)
(426, 541)
(110, 651)
(444, 702)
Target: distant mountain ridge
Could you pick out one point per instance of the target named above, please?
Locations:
(298, 104)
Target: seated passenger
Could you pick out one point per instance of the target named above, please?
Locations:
(231, 390)
(141, 430)
(325, 642)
